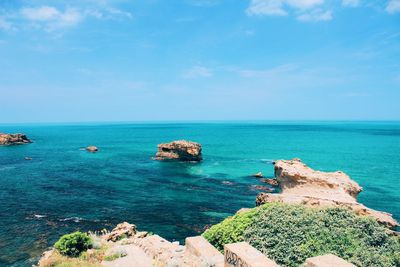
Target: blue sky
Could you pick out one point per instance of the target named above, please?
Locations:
(120, 60)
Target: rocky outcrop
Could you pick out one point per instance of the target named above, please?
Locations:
(301, 184)
(179, 150)
(13, 139)
(122, 230)
(92, 149)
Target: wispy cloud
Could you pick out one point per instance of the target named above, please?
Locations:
(197, 72)
(393, 6)
(350, 3)
(51, 18)
(4, 24)
(279, 7)
(251, 73)
(316, 15)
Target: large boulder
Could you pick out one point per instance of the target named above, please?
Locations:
(302, 185)
(13, 139)
(179, 150)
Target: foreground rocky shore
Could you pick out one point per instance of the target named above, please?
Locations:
(299, 184)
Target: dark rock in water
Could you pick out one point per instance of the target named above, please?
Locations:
(270, 181)
(92, 149)
(179, 150)
(258, 175)
(13, 139)
(261, 188)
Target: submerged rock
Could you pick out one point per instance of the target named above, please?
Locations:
(92, 149)
(273, 182)
(14, 139)
(179, 150)
(258, 175)
(301, 184)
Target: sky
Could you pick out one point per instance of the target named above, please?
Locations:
(189, 60)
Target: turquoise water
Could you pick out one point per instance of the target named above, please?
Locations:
(64, 188)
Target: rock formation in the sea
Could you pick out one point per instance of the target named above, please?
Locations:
(13, 139)
(179, 150)
(301, 184)
(92, 149)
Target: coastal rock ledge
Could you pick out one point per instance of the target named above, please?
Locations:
(303, 185)
(13, 139)
(181, 150)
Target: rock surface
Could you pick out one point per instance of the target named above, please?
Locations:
(179, 150)
(13, 139)
(122, 230)
(301, 184)
(92, 149)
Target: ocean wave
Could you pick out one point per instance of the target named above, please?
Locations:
(74, 219)
(7, 168)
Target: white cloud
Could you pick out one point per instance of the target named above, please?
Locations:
(316, 15)
(350, 3)
(282, 69)
(43, 13)
(4, 24)
(51, 17)
(197, 72)
(266, 7)
(280, 7)
(393, 6)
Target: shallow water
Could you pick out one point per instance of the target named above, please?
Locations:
(63, 188)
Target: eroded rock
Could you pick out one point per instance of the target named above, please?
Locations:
(302, 185)
(179, 150)
(122, 230)
(14, 139)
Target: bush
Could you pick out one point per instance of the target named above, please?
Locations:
(73, 244)
(230, 230)
(289, 234)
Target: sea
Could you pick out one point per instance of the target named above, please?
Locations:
(64, 188)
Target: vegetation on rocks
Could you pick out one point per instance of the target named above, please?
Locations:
(73, 244)
(289, 234)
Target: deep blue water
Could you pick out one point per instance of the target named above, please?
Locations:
(64, 188)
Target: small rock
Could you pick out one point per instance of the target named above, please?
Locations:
(258, 175)
(122, 230)
(142, 234)
(261, 187)
(270, 181)
(92, 149)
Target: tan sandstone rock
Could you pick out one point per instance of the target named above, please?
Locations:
(122, 230)
(92, 149)
(13, 139)
(179, 150)
(303, 185)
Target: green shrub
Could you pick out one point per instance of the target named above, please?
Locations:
(73, 244)
(230, 230)
(291, 233)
